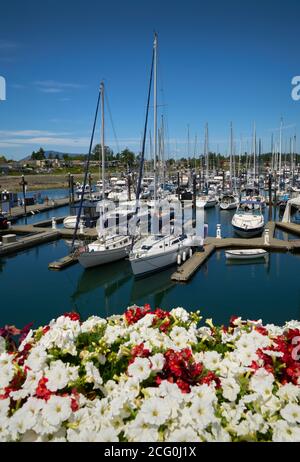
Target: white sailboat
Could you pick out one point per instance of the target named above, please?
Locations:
(157, 251)
(248, 221)
(105, 249)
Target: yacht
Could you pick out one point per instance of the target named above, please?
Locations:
(248, 221)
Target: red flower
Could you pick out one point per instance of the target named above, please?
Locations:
(72, 315)
(133, 315)
(42, 391)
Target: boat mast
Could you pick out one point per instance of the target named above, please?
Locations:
(206, 151)
(231, 152)
(102, 139)
(254, 151)
(280, 146)
(155, 115)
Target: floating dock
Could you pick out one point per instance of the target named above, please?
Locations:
(28, 241)
(188, 269)
(63, 262)
(19, 212)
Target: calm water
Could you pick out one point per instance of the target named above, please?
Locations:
(29, 291)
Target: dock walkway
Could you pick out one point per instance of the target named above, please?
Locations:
(188, 269)
(18, 212)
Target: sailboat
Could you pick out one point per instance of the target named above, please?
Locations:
(107, 248)
(157, 251)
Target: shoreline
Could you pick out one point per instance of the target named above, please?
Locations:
(37, 182)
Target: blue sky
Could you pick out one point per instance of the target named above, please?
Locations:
(218, 62)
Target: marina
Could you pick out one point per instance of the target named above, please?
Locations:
(149, 224)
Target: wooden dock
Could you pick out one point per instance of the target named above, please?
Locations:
(186, 271)
(63, 263)
(18, 212)
(28, 241)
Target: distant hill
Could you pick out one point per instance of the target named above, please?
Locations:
(53, 154)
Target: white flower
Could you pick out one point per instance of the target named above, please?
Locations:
(230, 388)
(291, 413)
(20, 422)
(139, 430)
(91, 322)
(180, 313)
(183, 435)
(288, 392)
(261, 380)
(202, 413)
(285, 432)
(59, 375)
(157, 362)
(4, 407)
(155, 411)
(37, 358)
(204, 392)
(57, 410)
(211, 360)
(140, 369)
(93, 375)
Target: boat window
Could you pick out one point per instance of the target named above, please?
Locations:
(146, 247)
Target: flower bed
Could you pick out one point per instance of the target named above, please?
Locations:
(150, 376)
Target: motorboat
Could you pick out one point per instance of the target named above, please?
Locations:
(228, 201)
(248, 221)
(245, 254)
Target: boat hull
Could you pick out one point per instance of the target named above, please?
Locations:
(154, 263)
(252, 232)
(230, 206)
(245, 254)
(97, 258)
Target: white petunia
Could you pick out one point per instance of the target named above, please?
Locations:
(285, 432)
(140, 369)
(157, 362)
(57, 410)
(155, 411)
(230, 388)
(93, 375)
(211, 360)
(180, 313)
(139, 430)
(261, 379)
(202, 413)
(37, 358)
(291, 413)
(183, 435)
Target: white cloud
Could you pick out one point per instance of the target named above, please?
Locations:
(52, 86)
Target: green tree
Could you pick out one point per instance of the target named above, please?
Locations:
(127, 157)
(39, 155)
